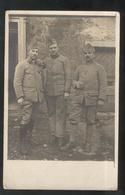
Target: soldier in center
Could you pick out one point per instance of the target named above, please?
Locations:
(58, 82)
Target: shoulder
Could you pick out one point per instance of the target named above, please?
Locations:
(79, 68)
(63, 58)
(47, 59)
(99, 66)
(21, 64)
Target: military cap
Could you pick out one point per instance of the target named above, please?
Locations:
(52, 42)
(89, 47)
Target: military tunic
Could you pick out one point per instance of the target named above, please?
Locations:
(58, 78)
(28, 83)
(92, 79)
(93, 88)
(58, 81)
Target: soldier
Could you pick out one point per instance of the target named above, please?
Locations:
(29, 89)
(88, 91)
(58, 82)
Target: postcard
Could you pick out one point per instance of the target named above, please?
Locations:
(61, 100)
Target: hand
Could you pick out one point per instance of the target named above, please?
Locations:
(77, 84)
(66, 95)
(100, 102)
(40, 63)
(74, 84)
(20, 100)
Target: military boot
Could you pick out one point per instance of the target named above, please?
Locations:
(53, 140)
(31, 139)
(95, 140)
(26, 138)
(91, 145)
(72, 138)
(60, 141)
(23, 144)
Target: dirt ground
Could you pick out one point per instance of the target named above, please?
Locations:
(43, 150)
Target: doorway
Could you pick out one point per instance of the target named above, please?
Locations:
(13, 57)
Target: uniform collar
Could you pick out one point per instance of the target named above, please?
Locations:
(56, 56)
(30, 61)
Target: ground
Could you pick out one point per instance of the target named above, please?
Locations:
(43, 150)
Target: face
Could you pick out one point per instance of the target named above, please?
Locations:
(89, 55)
(33, 54)
(53, 49)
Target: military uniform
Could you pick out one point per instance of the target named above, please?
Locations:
(92, 87)
(58, 81)
(28, 83)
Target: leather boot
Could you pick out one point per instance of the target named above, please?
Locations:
(53, 140)
(91, 145)
(72, 141)
(60, 141)
(23, 133)
(26, 138)
(31, 138)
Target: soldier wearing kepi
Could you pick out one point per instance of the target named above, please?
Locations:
(29, 89)
(88, 91)
(58, 82)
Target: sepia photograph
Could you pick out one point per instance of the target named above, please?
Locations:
(61, 98)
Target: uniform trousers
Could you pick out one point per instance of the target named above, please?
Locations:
(88, 113)
(57, 113)
(31, 112)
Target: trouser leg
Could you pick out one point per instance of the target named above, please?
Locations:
(60, 119)
(60, 116)
(72, 138)
(34, 124)
(73, 132)
(82, 127)
(27, 113)
(74, 118)
(91, 133)
(51, 104)
(25, 126)
(33, 130)
(24, 144)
